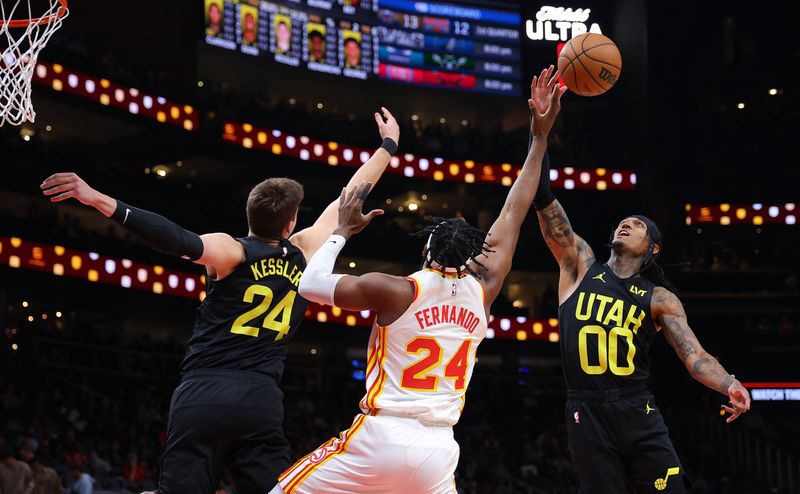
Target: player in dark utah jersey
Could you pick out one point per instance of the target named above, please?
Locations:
(228, 409)
(609, 313)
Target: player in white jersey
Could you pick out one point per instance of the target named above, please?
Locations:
(445, 323)
(422, 348)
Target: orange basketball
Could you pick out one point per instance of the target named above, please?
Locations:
(589, 64)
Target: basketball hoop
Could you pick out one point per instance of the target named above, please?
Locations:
(21, 40)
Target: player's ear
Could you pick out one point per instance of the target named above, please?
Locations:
(656, 249)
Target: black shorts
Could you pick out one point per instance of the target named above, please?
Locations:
(222, 419)
(621, 445)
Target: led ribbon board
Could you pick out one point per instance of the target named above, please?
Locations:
(57, 260)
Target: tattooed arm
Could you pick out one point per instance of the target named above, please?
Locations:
(668, 311)
(573, 254)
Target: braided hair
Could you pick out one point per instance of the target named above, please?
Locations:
(452, 243)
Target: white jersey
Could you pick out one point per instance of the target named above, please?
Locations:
(420, 365)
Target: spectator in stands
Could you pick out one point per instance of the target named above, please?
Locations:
(132, 470)
(15, 476)
(45, 479)
(83, 482)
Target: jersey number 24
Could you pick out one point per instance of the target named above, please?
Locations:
(419, 376)
(278, 319)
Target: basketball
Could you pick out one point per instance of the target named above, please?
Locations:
(589, 64)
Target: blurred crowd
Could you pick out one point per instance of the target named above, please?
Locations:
(68, 428)
(58, 437)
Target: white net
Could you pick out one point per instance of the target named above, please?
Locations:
(23, 34)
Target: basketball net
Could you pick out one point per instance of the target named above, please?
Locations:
(21, 40)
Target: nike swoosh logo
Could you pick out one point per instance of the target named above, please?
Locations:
(127, 212)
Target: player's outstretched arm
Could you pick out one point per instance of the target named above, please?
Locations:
(217, 250)
(311, 238)
(504, 233)
(573, 254)
(388, 295)
(668, 311)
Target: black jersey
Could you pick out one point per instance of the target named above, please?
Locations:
(606, 330)
(248, 318)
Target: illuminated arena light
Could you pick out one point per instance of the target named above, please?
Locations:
(277, 142)
(741, 214)
(468, 171)
(60, 261)
(109, 94)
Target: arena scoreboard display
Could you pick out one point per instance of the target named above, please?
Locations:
(437, 44)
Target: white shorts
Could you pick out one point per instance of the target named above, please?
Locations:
(379, 455)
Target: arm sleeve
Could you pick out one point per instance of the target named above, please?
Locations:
(318, 282)
(158, 232)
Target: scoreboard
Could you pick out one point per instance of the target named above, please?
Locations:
(463, 47)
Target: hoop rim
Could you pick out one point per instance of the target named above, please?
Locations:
(62, 11)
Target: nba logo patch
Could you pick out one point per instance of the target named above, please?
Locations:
(453, 289)
(577, 417)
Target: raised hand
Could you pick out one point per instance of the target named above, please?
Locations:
(739, 401)
(62, 186)
(388, 127)
(351, 218)
(542, 89)
(545, 101)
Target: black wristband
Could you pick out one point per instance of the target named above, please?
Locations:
(389, 145)
(544, 196)
(546, 199)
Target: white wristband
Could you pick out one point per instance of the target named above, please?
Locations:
(318, 282)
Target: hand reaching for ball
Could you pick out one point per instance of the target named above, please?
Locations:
(545, 101)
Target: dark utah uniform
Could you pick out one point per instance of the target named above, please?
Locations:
(617, 437)
(228, 409)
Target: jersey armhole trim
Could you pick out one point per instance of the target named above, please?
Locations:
(416, 287)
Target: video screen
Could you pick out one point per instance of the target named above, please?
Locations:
(421, 43)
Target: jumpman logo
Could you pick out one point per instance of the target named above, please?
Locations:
(661, 484)
(648, 408)
(600, 277)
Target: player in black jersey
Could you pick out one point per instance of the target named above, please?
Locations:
(228, 409)
(609, 313)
